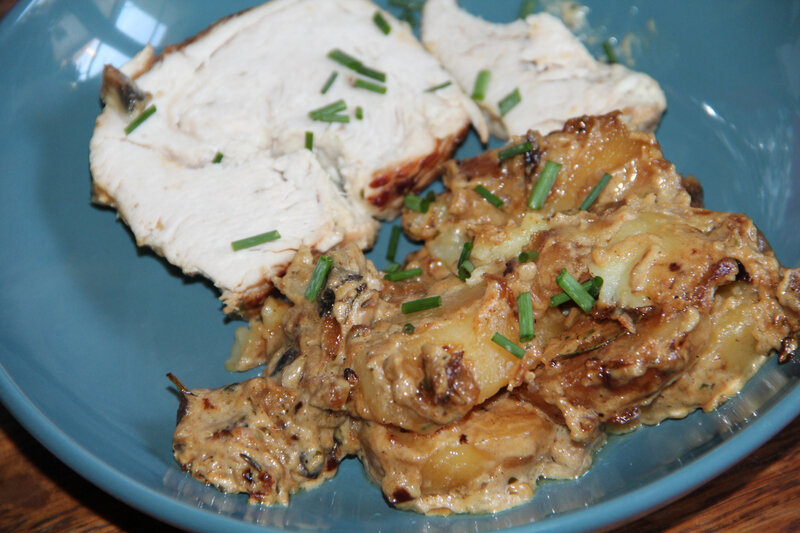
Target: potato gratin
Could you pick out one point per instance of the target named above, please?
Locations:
(505, 348)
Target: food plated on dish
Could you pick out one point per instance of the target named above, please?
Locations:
(569, 284)
(124, 318)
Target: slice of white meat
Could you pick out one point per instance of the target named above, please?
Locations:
(192, 216)
(242, 90)
(556, 76)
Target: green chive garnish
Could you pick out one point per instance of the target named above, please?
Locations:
(401, 275)
(595, 192)
(381, 23)
(374, 87)
(393, 267)
(507, 345)
(217, 158)
(481, 84)
(515, 150)
(525, 312)
(318, 277)
(592, 287)
(524, 257)
(329, 82)
(144, 115)
(437, 87)
(422, 304)
(416, 203)
(408, 328)
(575, 290)
(464, 267)
(430, 196)
(309, 140)
(329, 109)
(359, 113)
(542, 188)
(526, 8)
(507, 104)
(331, 118)
(356, 65)
(394, 240)
(330, 113)
(608, 48)
(255, 240)
(488, 196)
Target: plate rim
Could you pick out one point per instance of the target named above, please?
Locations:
(615, 511)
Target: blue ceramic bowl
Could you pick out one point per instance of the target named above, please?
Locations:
(89, 325)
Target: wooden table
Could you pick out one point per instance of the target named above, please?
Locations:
(39, 493)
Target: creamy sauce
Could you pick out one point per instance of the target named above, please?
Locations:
(443, 418)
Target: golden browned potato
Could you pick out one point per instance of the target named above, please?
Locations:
(487, 462)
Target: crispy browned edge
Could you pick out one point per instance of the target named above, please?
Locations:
(391, 184)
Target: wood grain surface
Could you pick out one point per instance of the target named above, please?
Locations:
(39, 493)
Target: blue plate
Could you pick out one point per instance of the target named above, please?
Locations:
(89, 325)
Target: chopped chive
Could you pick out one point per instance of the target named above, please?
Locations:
(359, 113)
(374, 87)
(515, 150)
(524, 257)
(255, 240)
(335, 107)
(381, 23)
(393, 267)
(596, 285)
(356, 65)
(437, 87)
(509, 101)
(144, 115)
(217, 158)
(318, 277)
(595, 192)
(333, 117)
(543, 185)
(422, 304)
(525, 312)
(488, 196)
(507, 345)
(394, 240)
(575, 290)
(464, 267)
(465, 270)
(329, 109)
(330, 112)
(401, 275)
(309, 140)
(408, 328)
(526, 8)
(329, 82)
(430, 197)
(481, 84)
(416, 203)
(592, 287)
(608, 48)
(466, 250)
